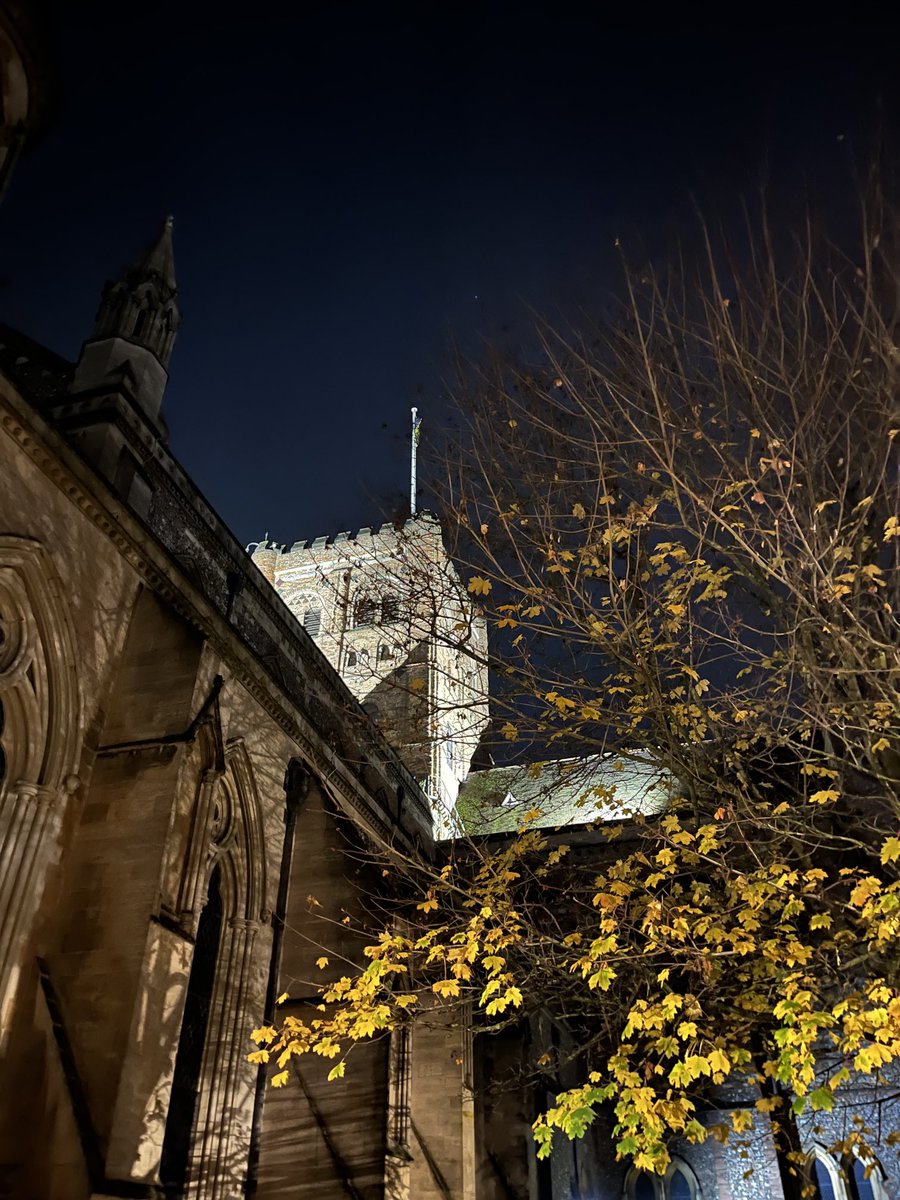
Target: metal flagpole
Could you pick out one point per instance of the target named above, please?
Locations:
(412, 462)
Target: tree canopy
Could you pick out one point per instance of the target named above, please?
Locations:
(682, 525)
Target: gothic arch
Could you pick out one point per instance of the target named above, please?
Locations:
(40, 732)
(678, 1183)
(823, 1172)
(226, 830)
(228, 838)
(237, 836)
(38, 685)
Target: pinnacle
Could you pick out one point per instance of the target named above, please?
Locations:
(160, 258)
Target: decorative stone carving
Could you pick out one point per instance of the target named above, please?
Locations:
(39, 740)
(227, 832)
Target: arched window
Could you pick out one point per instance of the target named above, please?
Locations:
(680, 1186)
(385, 652)
(312, 621)
(678, 1183)
(868, 1179)
(140, 321)
(826, 1176)
(645, 1187)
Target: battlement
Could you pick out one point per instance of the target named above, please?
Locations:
(366, 538)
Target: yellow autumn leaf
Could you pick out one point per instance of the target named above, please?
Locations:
(280, 1079)
(322, 962)
(890, 851)
(479, 586)
(825, 796)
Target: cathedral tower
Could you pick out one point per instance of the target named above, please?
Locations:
(388, 610)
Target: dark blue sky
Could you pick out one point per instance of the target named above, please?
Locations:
(356, 186)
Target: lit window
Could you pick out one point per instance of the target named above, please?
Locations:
(312, 621)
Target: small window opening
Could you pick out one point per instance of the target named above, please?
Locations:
(365, 612)
(139, 322)
(312, 621)
(390, 609)
(385, 652)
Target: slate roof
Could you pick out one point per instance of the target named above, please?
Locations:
(571, 791)
(37, 372)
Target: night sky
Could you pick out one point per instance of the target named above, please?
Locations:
(358, 187)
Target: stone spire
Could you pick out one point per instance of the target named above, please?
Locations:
(134, 332)
(142, 305)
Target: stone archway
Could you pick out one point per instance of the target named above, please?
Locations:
(233, 847)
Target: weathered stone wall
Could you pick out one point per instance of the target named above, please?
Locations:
(318, 1136)
(184, 720)
(377, 602)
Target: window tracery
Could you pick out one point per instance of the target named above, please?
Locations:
(37, 679)
(40, 724)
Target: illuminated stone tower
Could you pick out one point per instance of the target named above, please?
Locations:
(388, 610)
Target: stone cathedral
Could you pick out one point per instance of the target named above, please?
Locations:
(199, 746)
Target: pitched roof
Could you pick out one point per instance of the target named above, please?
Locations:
(572, 791)
(37, 372)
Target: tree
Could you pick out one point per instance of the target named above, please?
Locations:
(683, 528)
